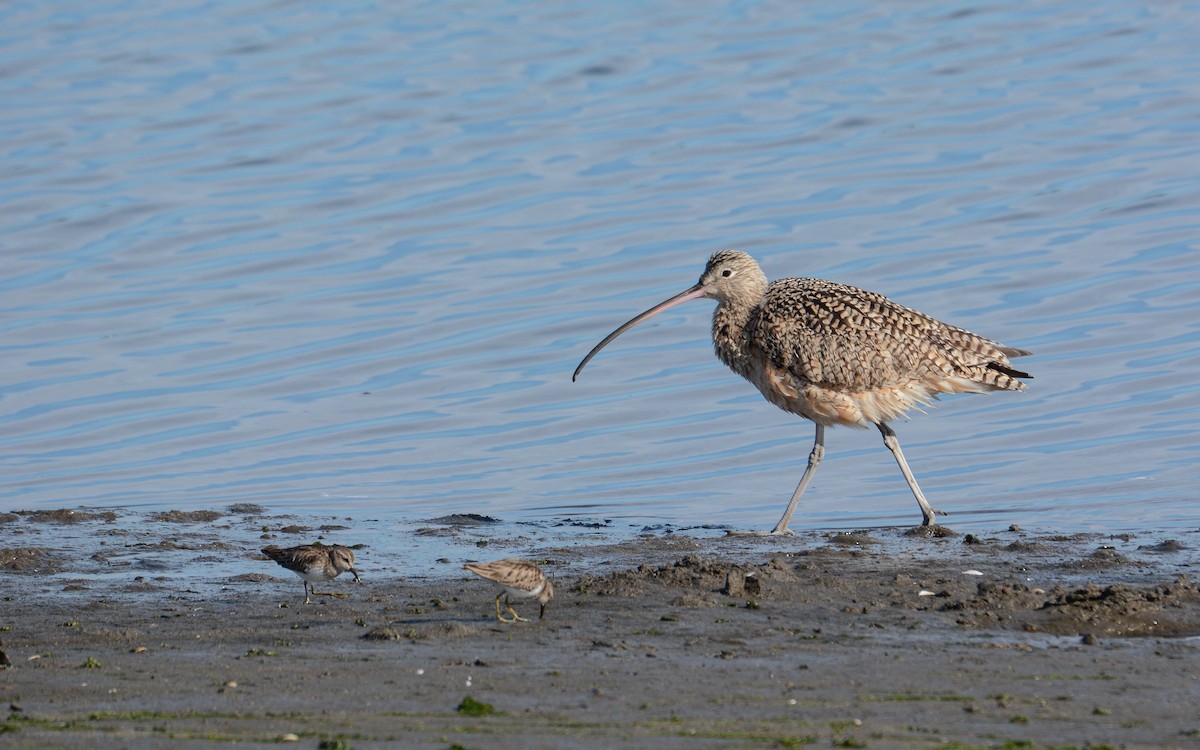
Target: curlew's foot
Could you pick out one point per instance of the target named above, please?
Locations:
(929, 516)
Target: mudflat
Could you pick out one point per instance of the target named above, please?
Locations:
(872, 639)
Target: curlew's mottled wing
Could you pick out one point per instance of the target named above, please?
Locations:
(852, 340)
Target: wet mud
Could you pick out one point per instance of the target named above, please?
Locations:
(170, 630)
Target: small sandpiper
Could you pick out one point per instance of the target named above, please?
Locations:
(517, 579)
(314, 563)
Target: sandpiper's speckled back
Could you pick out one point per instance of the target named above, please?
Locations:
(521, 578)
(314, 561)
(837, 354)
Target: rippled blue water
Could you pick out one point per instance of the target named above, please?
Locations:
(344, 258)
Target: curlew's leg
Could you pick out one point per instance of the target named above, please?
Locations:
(814, 460)
(306, 599)
(893, 444)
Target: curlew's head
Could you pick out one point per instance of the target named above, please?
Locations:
(731, 278)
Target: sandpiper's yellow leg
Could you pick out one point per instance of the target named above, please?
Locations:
(516, 617)
(498, 616)
(334, 594)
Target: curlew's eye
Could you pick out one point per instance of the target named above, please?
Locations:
(727, 273)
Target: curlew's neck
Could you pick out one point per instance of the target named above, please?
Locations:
(729, 333)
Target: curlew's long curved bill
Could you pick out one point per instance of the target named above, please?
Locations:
(694, 293)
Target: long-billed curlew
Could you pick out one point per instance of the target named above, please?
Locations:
(835, 354)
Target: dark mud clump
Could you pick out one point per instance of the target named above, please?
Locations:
(382, 634)
(464, 519)
(1023, 547)
(855, 539)
(438, 631)
(245, 509)
(1102, 559)
(936, 531)
(1168, 545)
(1164, 610)
(66, 515)
(844, 578)
(1127, 610)
(450, 525)
(420, 631)
(186, 516)
(29, 560)
(692, 574)
(252, 578)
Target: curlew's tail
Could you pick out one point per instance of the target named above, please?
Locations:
(999, 374)
(1009, 371)
(1012, 352)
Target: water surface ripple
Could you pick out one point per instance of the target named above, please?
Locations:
(344, 258)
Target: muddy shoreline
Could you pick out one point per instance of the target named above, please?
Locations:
(868, 639)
